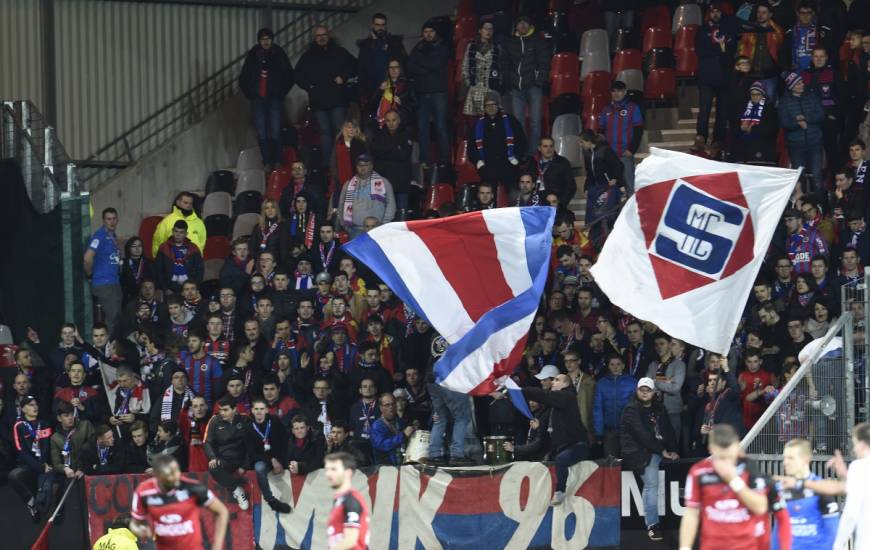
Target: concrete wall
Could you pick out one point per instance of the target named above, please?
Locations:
(185, 162)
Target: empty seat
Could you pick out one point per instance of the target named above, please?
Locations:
(656, 37)
(501, 196)
(569, 124)
(244, 224)
(251, 180)
(220, 180)
(658, 58)
(278, 180)
(626, 59)
(289, 137)
(218, 224)
(661, 84)
(216, 246)
(565, 74)
(686, 14)
(465, 172)
(685, 37)
(250, 159)
(212, 269)
(146, 232)
(219, 202)
(593, 105)
(467, 197)
(656, 16)
(312, 156)
(288, 156)
(686, 63)
(567, 42)
(632, 78)
(247, 202)
(626, 39)
(594, 40)
(466, 27)
(594, 61)
(569, 147)
(7, 355)
(564, 103)
(596, 83)
(6, 338)
(437, 195)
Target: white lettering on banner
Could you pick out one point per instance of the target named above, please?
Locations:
(632, 494)
(422, 507)
(313, 501)
(582, 509)
(529, 517)
(382, 509)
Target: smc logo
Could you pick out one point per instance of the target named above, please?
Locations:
(698, 230)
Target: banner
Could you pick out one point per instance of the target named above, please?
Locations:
(475, 508)
(110, 496)
(689, 243)
(672, 479)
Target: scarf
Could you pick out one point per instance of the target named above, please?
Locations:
(493, 77)
(136, 266)
(377, 192)
(508, 136)
(385, 353)
(303, 224)
(533, 200)
(169, 396)
(542, 165)
(272, 226)
(179, 271)
(344, 357)
(326, 259)
(304, 281)
(753, 113)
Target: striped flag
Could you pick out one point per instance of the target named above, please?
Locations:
(477, 278)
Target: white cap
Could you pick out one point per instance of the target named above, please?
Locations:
(549, 371)
(646, 382)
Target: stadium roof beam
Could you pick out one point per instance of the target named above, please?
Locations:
(258, 4)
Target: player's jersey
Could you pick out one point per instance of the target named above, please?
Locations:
(348, 510)
(725, 521)
(814, 518)
(174, 515)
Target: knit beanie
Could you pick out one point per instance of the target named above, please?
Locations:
(791, 80)
(757, 87)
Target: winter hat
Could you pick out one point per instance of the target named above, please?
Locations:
(492, 97)
(757, 87)
(265, 32)
(617, 85)
(791, 80)
(429, 24)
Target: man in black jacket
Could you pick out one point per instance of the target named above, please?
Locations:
(266, 77)
(646, 437)
(715, 42)
(224, 446)
(102, 456)
(375, 52)
(427, 67)
(392, 148)
(266, 442)
(567, 433)
(526, 64)
(306, 448)
(496, 144)
(324, 71)
(553, 172)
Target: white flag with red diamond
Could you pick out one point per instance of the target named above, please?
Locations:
(688, 245)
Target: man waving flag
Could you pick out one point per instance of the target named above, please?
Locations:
(477, 278)
(689, 243)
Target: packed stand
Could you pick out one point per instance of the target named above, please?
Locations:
(236, 335)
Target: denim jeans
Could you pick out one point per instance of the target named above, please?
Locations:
(628, 173)
(810, 158)
(448, 405)
(262, 468)
(705, 104)
(566, 458)
(533, 99)
(614, 20)
(650, 493)
(433, 106)
(267, 122)
(329, 123)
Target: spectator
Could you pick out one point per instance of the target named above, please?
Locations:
(481, 76)
(136, 450)
(182, 209)
(526, 69)
(266, 443)
(824, 80)
(801, 116)
(857, 161)
(389, 432)
(85, 399)
(647, 437)
(102, 264)
(324, 71)
(584, 387)
(178, 260)
(498, 144)
(321, 411)
(803, 242)
(68, 441)
(715, 44)
(340, 441)
(194, 434)
(203, 371)
(850, 273)
(554, 172)
(102, 456)
(605, 176)
(349, 145)
(376, 52)
(668, 374)
(756, 388)
(568, 435)
(485, 197)
(306, 448)
(762, 48)
(168, 441)
(135, 269)
(528, 193)
(811, 214)
(622, 124)
(266, 234)
(237, 269)
(757, 128)
(449, 408)
(537, 443)
(611, 394)
(427, 68)
(716, 401)
(800, 41)
(391, 149)
(396, 94)
(128, 397)
(266, 78)
(365, 194)
(175, 401)
(224, 445)
(33, 477)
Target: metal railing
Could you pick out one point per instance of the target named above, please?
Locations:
(855, 300)
(205, 97)
(45, 165)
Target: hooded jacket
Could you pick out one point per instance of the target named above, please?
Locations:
(316, 72)
(526, 61)
(195, 229)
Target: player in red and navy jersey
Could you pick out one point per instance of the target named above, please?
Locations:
(348, 524)
(171, 503)
(725, 498)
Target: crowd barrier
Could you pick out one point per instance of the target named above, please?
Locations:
(411, 506)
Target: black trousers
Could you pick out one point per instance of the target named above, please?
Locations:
(225, 474)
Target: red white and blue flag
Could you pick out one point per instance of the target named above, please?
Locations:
(477, 278)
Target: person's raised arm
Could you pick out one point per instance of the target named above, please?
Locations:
(221, 520)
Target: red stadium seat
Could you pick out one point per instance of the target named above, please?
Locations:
(437, 195)
(660, 84)
(501, 196)
(465, 172)
(146, 232)
(596, 83)
(288, 156)
(656, 16)
(465, 9)
(216, 248)
(687, 63)
(656, 37)
(466, 27)
(459, 54)
(7, 355)
(565, 74)
(278, 180)
(685, 38)
(626, 59)
(727, 8)
(593, 105)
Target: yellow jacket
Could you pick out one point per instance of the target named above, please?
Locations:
(195, 230)
(117, 539)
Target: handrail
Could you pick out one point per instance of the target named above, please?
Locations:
(222, 82)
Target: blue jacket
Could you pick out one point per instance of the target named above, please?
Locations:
(386, 443)
(809, 105)
(611, 395)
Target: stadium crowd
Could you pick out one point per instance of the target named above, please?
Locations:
(297, 350)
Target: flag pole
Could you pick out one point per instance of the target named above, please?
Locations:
(62, 500)
(42, 540)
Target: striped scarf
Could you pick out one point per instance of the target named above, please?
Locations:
(508, 136)
(169, 396)
(752, 113)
